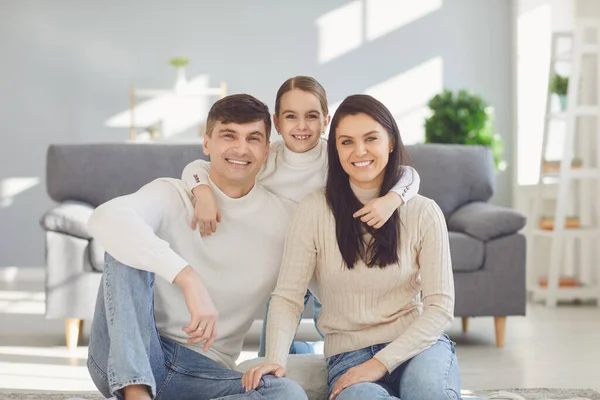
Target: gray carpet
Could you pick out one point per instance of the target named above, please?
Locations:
(528, 394)
(541, 394)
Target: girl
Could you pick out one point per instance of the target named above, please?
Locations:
(297, 166)
(387, 294)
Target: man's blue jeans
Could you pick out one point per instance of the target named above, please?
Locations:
(126, 349)
(297, 347)
(432, 374)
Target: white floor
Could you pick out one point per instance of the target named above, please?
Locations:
(548, 348)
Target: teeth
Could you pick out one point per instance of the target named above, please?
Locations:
(302, 137)
(362, 164)
(238, 162)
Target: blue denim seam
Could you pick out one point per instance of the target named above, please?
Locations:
(177, 369)
(92, 363)
(448, 390)
(168, 378)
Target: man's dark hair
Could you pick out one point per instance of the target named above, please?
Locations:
(239, 109)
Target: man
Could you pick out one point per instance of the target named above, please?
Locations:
(177, 335)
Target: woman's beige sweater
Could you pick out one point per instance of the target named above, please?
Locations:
(409, 304)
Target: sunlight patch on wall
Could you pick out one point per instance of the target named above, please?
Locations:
(385, 16)
(533, 60)
(176, 113)
(11, 187)
(407, 94)
(348, 27)
(340, 31)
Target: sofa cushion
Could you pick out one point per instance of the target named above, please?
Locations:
(70, 217)
(308, 370)
(95, 173)
(486, 221)
(454, 175)
(96, 255)
(466, 252)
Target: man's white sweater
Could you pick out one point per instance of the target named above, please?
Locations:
(150, 230)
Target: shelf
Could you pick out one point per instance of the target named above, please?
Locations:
(590, 48)
(576, 173)
(562, 58)
(580, 111)
(569, 293)
(576, 233)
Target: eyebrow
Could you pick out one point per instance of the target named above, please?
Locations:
(350, 137)
(294, 112)
(229, 130)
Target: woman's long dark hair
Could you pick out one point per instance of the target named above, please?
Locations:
(382, 250)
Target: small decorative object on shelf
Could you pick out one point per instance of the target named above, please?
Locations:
(554, 165)
(559, 85)
(179, 63)
(563, 282)
(547, 223)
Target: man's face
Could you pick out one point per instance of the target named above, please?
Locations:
(237, 152)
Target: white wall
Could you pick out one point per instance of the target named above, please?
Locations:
(66, 66)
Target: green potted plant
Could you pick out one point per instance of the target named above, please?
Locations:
(559, 85)
(179, 63)
(463, 118)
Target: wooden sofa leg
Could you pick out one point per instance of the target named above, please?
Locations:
(465, 324)
(73, 328)
(500, 323)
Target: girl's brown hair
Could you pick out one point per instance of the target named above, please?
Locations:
(306, 84)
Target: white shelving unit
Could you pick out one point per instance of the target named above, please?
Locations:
(576, 189)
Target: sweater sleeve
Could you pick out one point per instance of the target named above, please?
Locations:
(287, 301)
(126, 227)
(196, 174)
(437, 291)
(408, 185)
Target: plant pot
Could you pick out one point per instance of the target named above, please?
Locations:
(181, 80)
(562, 98)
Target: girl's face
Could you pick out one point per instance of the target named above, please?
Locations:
(363, 146)
(300, 121)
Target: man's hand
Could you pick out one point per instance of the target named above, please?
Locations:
(369, 371)
(377, 211)
(251, 378)
(206, 210)
(203, 314)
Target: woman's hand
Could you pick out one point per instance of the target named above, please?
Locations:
(369, 371)
(251, 378)
(206, 211)
(377, 211)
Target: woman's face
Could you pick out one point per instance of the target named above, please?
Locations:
(363, 146)
(300, 121)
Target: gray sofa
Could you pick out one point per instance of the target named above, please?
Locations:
(488, 253)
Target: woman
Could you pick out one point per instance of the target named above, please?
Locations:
(387, 294)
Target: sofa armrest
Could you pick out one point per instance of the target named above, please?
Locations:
(69, 217)
(486, 221)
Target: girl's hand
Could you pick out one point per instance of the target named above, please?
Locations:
(377, 211)
(206, 211)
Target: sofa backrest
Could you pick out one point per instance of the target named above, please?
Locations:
(454, 175)
(96, 173)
